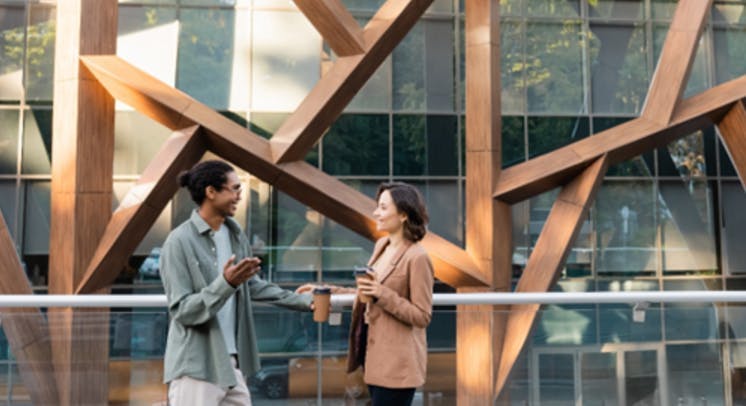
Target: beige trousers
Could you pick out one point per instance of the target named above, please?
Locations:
(186, 391)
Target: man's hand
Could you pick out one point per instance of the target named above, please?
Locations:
(242, 271)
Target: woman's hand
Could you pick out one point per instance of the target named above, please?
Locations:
(370, 287)
(307, 288)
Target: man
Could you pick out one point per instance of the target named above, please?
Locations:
(208, 273)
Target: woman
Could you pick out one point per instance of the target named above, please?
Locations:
(387, 336)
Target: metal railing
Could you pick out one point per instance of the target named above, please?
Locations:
(439, 299)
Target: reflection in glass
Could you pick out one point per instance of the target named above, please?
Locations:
(137, 139)
(734, 223)
(148, 38)
(39, 73)
(357, 145)
(441, 198)
(556, 379)
(616, 321)
(423, 68)
(206, 55)
(425, 145)
(619, 73)
(553, 8)
(687, 232)
(513, 67)
(695, 374)
(730, 55)
(285, 62)
(12, 42)
(8, 141)
(545, 134)
(8, 204)
(625, 228)
(616, 9)
(37, 142)
(692, 321)
(553, 67)
(36, 218)
(598, 374)
(641, 378)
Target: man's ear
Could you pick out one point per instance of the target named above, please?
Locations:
(210, 192)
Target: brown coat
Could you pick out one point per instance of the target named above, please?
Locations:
(396, 345)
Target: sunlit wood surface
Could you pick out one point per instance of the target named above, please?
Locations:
(249, 151)
(732, 130)
(335, 24)
(25, 328)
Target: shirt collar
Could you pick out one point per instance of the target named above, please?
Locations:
(204, 228)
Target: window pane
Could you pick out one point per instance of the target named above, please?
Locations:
(619, 73)
(12, 40)
(625, 227)
(137, 139)
(615, 320)
(285, 60)
(423, 68)
(617, 9)
(425, 145)
(37, 142)
(695, 374)
(513, 68)
(441, 198)
(685, 157)
(40, 53)
(206, 55)
(734, 224)
(641, 381)
(8, 141)
(36, 218)
(556, 379)
(730, 52)
(692, 321)
(513, 144)
(375, 95)
(686, 227)
(357, 145)
(545, 134)
(553, 8)
(554, 68)
(8, 204)
(148, 38)
(598, 374)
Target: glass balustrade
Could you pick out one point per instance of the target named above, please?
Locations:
(597, 354)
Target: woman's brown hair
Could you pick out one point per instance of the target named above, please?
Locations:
(408, 200)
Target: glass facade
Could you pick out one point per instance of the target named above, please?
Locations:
(669, 219)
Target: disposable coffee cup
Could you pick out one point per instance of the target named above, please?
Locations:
(321, 303)
(363, 273)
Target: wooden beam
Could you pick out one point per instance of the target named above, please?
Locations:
(547, 259)
(335, 24)
(732, 130)
(251, 152)
(672, 72)
(25, 329)
(347, 76)
(621, 143)
(82, 169)
(141, 207)
(479, 332)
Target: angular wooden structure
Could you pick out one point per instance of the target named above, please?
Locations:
(26, 329)
(86, 256)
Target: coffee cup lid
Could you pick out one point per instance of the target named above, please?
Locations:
(322, 290)
(361, 270)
